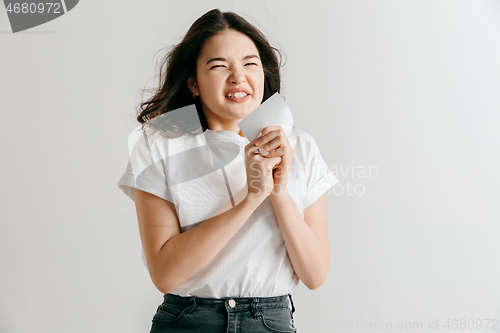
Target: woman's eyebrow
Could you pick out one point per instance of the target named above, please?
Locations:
(224, 59)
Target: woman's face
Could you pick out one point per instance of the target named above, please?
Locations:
(228, 60)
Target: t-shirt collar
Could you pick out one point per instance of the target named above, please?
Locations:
(226, 136)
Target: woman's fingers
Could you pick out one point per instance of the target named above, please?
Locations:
(271, 146)
(273, 153)
(266, 138)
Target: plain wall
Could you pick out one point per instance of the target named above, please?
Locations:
(402, 98)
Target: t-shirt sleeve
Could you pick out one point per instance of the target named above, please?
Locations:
(319, 176)
(145, 170)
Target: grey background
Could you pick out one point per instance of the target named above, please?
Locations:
(410, 88)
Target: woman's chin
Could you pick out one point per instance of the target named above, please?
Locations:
(239, 112)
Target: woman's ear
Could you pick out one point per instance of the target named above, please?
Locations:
(193, 86)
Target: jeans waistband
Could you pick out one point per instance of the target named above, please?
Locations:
(235, 303)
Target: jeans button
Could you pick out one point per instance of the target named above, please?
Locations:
(232, 303)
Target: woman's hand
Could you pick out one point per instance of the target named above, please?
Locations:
(274, 142)
(259, 172)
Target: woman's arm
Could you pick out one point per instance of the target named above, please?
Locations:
(306, 239)
(172, 256)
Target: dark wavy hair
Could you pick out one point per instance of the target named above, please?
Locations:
(179, 64)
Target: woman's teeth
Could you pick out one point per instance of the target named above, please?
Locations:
(237, 95)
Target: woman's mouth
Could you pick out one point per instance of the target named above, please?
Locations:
(238, 97)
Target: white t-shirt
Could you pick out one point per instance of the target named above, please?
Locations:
(254, 263)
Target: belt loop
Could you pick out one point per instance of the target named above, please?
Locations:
(253, 307)
(191, 308)
(291, 302)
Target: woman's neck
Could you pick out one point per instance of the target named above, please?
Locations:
(231, 128)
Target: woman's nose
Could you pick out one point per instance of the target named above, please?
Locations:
(236, 76)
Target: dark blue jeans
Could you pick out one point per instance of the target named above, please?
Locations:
(224, 315)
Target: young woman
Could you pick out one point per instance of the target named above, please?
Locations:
(233, 271)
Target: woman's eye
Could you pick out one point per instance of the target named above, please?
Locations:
(250, 63)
